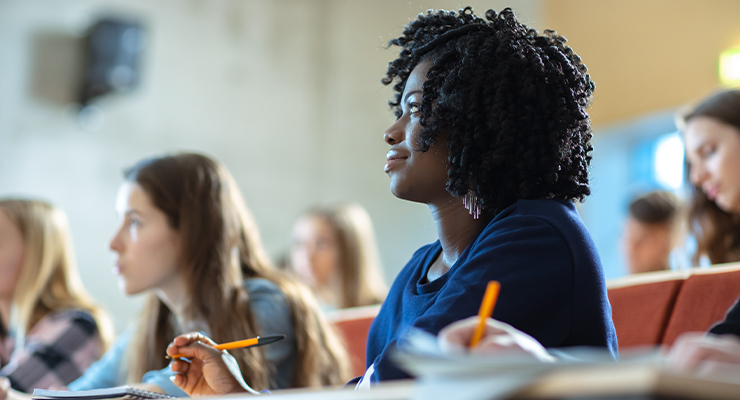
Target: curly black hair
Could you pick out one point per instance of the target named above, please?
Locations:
(510, 101)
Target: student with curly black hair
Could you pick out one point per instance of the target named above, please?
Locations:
(492, 134)
(491, 117)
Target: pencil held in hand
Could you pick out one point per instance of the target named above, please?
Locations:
(258, 341)
(486, 309)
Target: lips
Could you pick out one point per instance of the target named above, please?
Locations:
(117, 269)
(711, 192)
(394, 158)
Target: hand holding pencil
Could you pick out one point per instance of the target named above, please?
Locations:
(483, 335)
(209, 371)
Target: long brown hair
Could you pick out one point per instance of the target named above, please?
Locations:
(49, 281)
(221, 247)
(717, 232)
(360, 269)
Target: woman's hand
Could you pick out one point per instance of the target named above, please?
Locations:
(706, 355)
(209, 372)
(498, 337)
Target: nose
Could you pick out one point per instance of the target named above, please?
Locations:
(395, 133)
(697, 174)
(116, 244)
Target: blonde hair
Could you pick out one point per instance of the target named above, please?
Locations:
(221, 247)
(360, 268)
(48, 280)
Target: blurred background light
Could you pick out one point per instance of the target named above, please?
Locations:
(669, 161)
(729, 67)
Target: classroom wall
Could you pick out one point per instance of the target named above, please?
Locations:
(646, 56)
(286, 93)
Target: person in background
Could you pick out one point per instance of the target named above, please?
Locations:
(650, 232)
(50, 329)
(493, 136)
(333, 249)
(187, 240)
(711, 133)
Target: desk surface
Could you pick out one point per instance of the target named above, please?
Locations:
(603, 382)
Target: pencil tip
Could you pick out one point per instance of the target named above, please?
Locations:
(270, 339)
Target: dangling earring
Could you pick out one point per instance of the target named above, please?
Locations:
(472, 203)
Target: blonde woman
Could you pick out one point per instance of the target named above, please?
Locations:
(186, 239)
(333, 249)
(50, 330)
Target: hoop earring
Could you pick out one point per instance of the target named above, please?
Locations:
(472, 204)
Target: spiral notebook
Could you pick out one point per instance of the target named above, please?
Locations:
(119, 392)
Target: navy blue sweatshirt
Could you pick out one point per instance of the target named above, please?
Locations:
(552, 284)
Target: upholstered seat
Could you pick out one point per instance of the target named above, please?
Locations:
(354, 324)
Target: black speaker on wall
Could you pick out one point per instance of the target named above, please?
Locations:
(113, 50)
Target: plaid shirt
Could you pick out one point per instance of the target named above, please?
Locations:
(57, 351)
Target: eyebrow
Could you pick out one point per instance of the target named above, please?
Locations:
(131, 211)
(696, 148)
(410, 93)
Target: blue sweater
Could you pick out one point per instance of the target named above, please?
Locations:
(552, 285)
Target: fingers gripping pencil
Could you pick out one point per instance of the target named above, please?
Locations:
(258, 341)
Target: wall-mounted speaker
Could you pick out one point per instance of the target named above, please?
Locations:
(113, 51)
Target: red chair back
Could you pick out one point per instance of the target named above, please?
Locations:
(641, 311)
(703, 300)
(354, 324)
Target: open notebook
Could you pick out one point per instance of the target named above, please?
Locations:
(119, 392)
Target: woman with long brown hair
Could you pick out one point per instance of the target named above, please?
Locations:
(50, 329)
(333, 249)
(711, 133)
(186, 238)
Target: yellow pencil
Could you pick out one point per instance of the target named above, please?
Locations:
(258, 341)
(486, 309)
